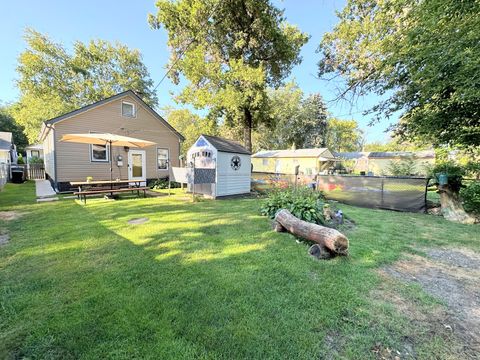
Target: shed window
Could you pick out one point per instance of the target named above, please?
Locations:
(162, 159)
(99, 153)
(128, 109)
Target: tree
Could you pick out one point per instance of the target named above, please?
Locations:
(422, 57)
(52, 81)
(343, 135)
(8, 124)
(297, 121)
(315, 114)
(190, 125)
(229, 52)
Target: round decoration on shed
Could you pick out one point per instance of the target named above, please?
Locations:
(235, 163)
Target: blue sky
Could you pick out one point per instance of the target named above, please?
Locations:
(126, 22)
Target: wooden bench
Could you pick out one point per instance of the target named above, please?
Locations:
(83, 194)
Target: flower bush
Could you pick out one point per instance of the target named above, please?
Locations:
(304, 203)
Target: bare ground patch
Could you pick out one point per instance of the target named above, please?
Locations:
(451, 276)
(10, 215)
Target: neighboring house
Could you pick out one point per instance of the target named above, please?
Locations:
(34, 151)
(311, 161)
(231, 161)
(379, 163)
(8, 153)
(123, 114)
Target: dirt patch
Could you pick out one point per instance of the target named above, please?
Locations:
(10, 215)
(451, 276)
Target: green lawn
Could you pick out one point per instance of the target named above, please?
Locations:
(203, 280)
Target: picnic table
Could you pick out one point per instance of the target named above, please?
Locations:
(98, 187)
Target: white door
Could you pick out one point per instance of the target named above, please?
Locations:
(137, 166)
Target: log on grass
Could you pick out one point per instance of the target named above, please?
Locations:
(327, 238)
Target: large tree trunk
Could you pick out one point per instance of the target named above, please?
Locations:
(247, 129)
(452, 208)
(330, 239)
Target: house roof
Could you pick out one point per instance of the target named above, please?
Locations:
(5, 140)
(225, 145)
(298, 153)
(350, 155)
(107, 100)
(426, 154)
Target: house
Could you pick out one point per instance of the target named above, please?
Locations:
(379, 163)
(230, 163)
(310, 161)
(123, 114)
(34, 152)
(8, 153)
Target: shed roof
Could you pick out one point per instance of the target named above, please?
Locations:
(425, 154)
(225, 145)
(5, 140)
(298, 153)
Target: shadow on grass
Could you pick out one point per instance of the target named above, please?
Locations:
(205, 279)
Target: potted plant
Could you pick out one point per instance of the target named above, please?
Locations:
(89, 179)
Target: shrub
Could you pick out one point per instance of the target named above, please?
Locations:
(163, 184)
(404, 167)
(470, 195)
(20, 160)
(35, 160)
(453, 171)
(304, 203)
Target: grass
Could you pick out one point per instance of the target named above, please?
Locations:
(202, 280)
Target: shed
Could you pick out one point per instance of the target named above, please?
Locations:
(230, 161)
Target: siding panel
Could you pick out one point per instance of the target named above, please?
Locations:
(73, 160)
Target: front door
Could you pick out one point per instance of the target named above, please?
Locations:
(136, 166)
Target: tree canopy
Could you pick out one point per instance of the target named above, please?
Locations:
(297, 120)
(190, 125)
(343, 135)
(8, 124)
(52, 81)
(422, 57)
(229, 51)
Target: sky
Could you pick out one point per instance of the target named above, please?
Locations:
(126, 22)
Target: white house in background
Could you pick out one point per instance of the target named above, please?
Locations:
(231, 161)
(8, 153)
(34, 151)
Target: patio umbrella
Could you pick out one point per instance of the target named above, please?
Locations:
(107, 138)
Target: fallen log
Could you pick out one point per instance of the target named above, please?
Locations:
(330, 239)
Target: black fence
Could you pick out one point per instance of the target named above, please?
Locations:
(382, 192)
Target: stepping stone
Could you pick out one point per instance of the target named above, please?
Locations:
(137, 221)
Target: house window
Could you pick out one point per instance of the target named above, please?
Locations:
(265, 162)
(99, 153)
(162, 159)
(128, 109)
(35, 153)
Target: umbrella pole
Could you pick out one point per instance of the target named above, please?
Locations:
(111, 165)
